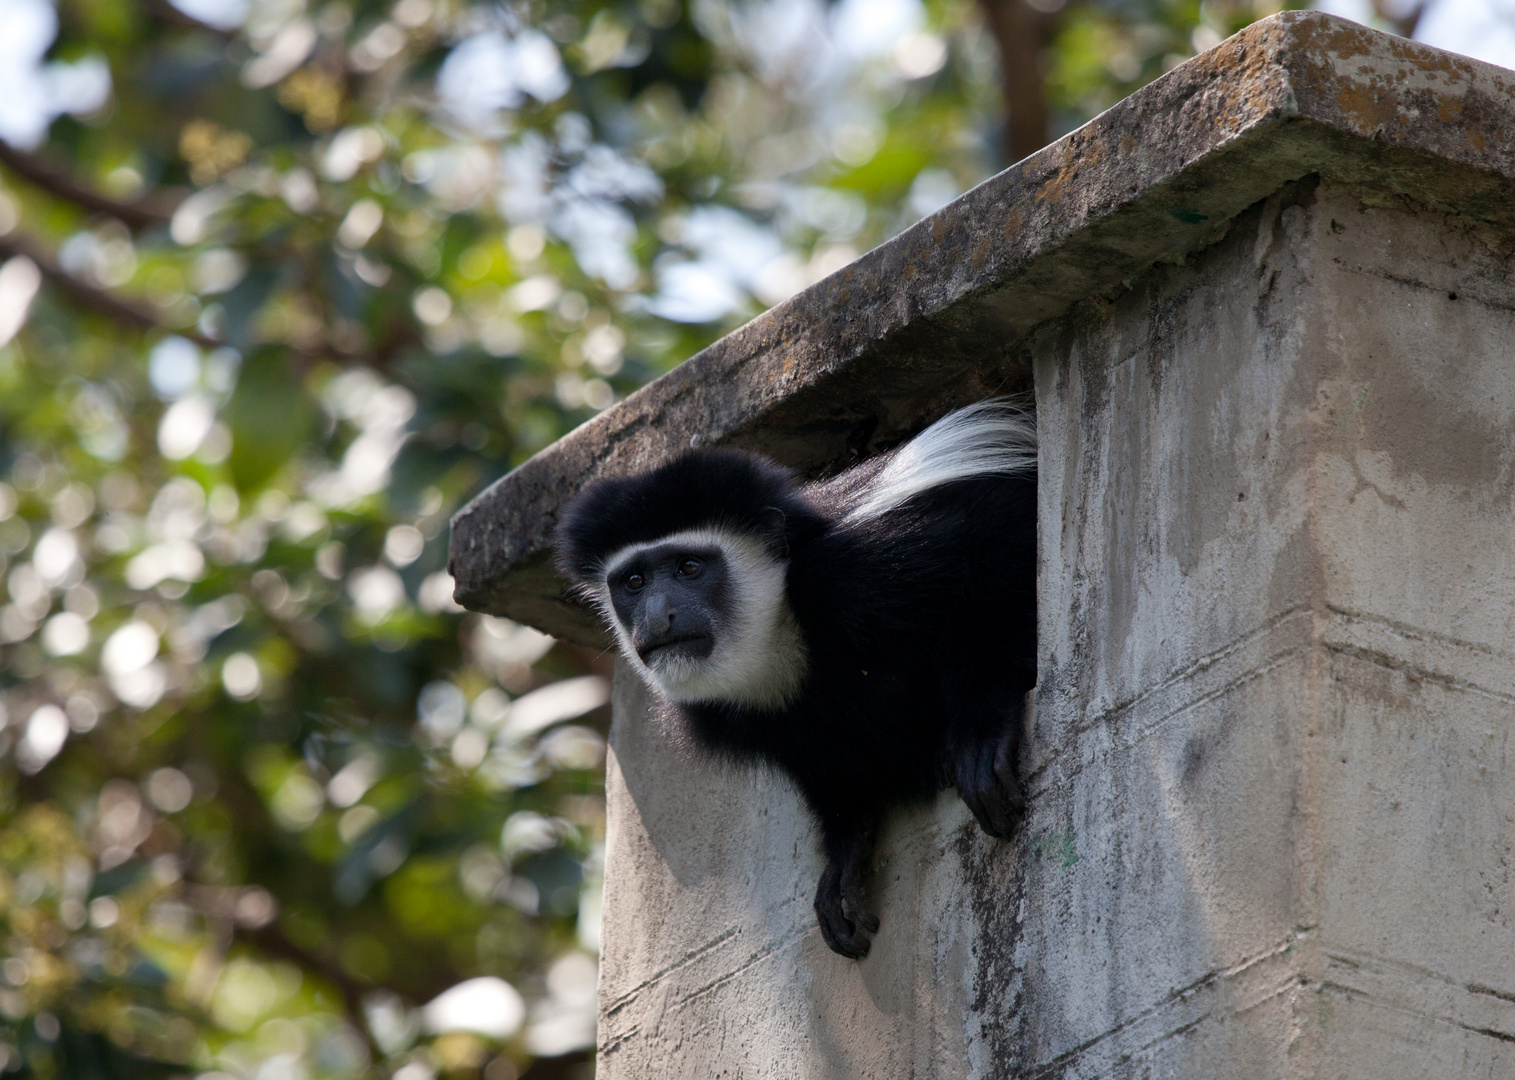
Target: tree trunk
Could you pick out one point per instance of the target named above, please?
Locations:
(1021, 33)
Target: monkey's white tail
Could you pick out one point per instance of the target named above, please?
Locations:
(986, 438)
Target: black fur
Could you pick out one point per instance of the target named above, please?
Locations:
(920, 626)
(728, 488)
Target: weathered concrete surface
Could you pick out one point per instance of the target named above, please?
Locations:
(1278, 684)
(939, 316)
(1273, 813)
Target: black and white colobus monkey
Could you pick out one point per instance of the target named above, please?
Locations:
(873, 635)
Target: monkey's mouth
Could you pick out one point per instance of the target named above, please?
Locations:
(683, 647)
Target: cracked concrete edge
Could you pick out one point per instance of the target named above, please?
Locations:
(937, 316)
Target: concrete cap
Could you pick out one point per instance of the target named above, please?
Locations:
(937, 316)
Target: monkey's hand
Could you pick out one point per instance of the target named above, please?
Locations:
(845, 923)
(988, 782)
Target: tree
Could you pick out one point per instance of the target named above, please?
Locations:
(283, 287)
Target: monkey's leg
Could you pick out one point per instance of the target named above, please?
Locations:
(986, 770)
(839, 904)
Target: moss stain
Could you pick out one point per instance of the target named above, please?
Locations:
(1055, 846)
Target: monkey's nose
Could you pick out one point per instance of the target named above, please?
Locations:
(660, 616)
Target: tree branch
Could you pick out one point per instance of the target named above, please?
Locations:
(562, 1067)
(1021, 35)
(219, 904)
(1404, 22)
(166, 12)
(142, 317)
(137, 215)
(271, 940)
(87, 296)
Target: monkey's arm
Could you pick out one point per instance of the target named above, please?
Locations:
(983, 757)
(839, 904)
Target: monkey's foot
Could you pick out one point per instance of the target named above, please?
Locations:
(988, 782)
(845, 923)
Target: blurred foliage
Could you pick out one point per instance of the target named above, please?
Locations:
(1100, 52)
(281, 293)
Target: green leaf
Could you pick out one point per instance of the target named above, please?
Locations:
(269, 416)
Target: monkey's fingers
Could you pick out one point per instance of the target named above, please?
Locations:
(840, 933)
(866, 919)
(854, 909)
(854, 905)
(982, 784)
(1007, 771)
(841, 936)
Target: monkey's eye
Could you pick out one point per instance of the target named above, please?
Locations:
(689, 567)
(634, 582)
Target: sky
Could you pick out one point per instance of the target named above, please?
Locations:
(33, 91)
(1482, 29)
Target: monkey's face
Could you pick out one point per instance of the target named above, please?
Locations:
(704, 616)
(671, 600)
